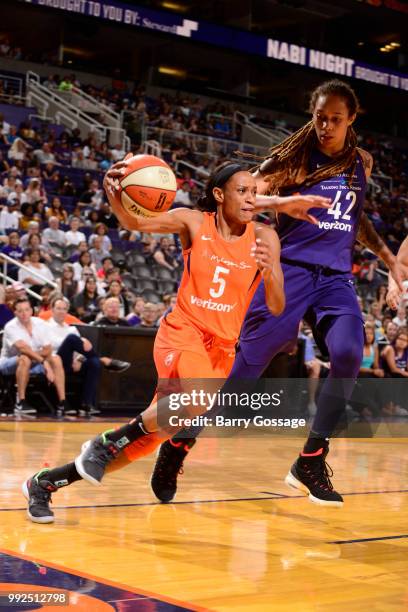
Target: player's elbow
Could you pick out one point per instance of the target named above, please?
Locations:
(276, 305)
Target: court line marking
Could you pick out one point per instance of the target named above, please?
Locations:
(190, 607)
(394, 537)
(276, 496)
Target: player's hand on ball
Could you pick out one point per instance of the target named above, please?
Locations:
(115, 172)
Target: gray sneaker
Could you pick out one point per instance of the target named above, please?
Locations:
(38, 493)
(95, 456)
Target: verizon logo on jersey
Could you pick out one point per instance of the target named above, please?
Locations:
(211, 305)
(328, 225)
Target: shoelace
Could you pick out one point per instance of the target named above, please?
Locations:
(170, 468)
(321, 470)
(40, 495)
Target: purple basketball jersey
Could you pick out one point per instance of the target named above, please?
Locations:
(330, 243)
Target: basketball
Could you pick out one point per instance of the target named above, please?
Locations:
(147, 188)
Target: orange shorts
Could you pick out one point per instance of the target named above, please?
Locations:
(182, 351)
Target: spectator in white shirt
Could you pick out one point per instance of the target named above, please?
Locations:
(26, 350)
(29, 277)
(102, 231)
(73, 236)
(183, 195)
(9, 217)
(401, 318)
(44, 155)
(98, 253)
(53, 235)
(67, 342)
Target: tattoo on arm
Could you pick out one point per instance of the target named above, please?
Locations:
(367, 235)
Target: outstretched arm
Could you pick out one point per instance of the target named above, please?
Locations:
(296, 206)
(367, 235)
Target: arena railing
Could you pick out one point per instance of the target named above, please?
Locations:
(9, 260)
(201, 144)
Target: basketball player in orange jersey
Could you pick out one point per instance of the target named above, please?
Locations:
(394, 294)
(225, 256)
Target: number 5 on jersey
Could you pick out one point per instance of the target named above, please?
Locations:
(218, 280)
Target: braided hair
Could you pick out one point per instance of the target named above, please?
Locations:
(288, 161)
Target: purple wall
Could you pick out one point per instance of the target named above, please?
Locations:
(16, 114)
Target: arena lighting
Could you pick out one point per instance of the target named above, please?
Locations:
(176, 72)
(395, 44)
(173, 6)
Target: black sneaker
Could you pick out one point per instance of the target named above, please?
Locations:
(60, 411)
(312, 476)
(38, 492)
(23, 408)
(87, 410)
(116, 365)
(95, 455)
(169, 464)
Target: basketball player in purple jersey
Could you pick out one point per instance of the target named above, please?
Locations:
(322, 158)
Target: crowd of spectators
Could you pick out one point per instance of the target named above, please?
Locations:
(55, 219)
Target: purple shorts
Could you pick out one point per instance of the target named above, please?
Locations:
(320, 292)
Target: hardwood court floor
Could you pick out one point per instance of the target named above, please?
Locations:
(237, 538)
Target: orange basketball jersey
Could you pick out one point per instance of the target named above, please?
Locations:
(218, 282)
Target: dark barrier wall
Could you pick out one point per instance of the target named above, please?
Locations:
(134, 389)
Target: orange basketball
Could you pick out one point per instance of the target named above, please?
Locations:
(147, 188)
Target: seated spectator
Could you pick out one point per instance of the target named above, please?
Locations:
(183, 197)
(53, 235)
(68, 286)
(35, 242)
(69, 345)
(13, 249)
(111, 314)
(395, 359)
(98, 253)
(401, 317)
(86, 303)
(134, 318)
(45, 304)
(92, 218)
(56, 210)
(93, 196)
(29, 277)
(117, 290)
(107, 266)
(26, 350)
(148, 316)
(33, 228)
(107, 217)
(10, 216)
(18, 150)
(73, 236)
(84, 261)
(45, 154)
(102, 231)
(27, 217)
(166, 254)
(34, 192)
(82, 247)
(4, 165)
(50, 173)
